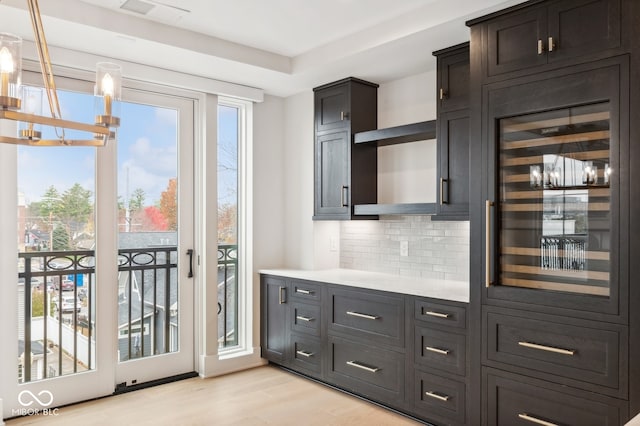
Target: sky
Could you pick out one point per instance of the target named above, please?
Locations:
(146, 151)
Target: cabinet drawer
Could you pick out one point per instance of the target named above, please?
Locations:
(306, 318)
(306, 291)
(580, 350)
(366, 370)
(436, 313)
(372, 316)
(517, 400)
(306, 354)
(441, 350)
(438, 396)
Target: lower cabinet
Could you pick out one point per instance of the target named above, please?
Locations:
(519, 400)
(405, 352)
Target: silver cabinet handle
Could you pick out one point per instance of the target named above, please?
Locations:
(365, 316)
(552, 44)
(282, 296)
(437, 314)
(344, 115)
(363, 367)
(540, 47)
(305, 354)
(487, 242)
(442, 200)
(443, 94)
(535, 420)
(437, 396)
(547, 348)
(305, 319)
(437, 350)
(301, 291)
(344, 196)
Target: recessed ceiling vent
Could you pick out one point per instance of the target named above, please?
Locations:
(137, 6)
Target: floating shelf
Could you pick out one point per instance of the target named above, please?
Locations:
(424, 130)
(384, 209)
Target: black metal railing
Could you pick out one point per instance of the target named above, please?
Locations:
(62, 278)
(227, 295)
(62, 283)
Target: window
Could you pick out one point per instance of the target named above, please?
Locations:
(234, 270)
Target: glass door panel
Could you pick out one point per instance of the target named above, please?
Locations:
(554, 200)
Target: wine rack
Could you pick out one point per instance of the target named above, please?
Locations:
(554, 200)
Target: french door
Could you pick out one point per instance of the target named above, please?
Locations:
(104, 293)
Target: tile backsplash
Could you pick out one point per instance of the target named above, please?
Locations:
(436, 249)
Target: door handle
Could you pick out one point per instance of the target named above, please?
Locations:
(190, 254)
(487, 242)
(442, 200)
(345, 196)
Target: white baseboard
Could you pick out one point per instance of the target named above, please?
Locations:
(214, 365)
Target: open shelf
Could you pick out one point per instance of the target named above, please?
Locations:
(382, 209)
(423, 130)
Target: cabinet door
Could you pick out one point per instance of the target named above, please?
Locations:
(275, 330)
(453, 81)
(453, 164)
(332, 180)
(513, 41)
(582, 27)
(552, 216)
(332, 108)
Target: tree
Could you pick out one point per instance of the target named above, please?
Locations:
(227, 223)
(153, 220)
(136, 202)
(76, 207)
(169, 204)
(60, 239)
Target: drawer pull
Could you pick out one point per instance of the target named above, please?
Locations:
(303, 318)
(535, 420)
(547, 348)
(282, 295)
(437, 314)
(363, 367)
(359, 315)
(303, 291)
(437, 350)
(436, 396)
(305, 354)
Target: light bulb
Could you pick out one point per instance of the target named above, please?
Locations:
(6, 61)
(107, 85)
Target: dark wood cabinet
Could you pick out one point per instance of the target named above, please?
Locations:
(345, 173)
(563, 32)
(405, 352)
(550, 213)
(275, 316)
(453, 133)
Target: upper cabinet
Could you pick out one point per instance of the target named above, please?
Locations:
(345, 174)
(552, 32)
(453, 133)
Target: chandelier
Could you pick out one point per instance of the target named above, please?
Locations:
(24, 104)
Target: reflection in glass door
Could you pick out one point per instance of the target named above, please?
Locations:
(554, 200)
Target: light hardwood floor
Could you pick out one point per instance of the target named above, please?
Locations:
(261, 396)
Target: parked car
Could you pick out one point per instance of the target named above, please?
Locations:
(67, 285)
(67, 305)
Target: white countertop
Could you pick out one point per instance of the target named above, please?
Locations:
(457, 291)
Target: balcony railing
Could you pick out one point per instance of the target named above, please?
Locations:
(57, 307)
(227, 295)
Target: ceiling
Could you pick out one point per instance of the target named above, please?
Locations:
(281, 46)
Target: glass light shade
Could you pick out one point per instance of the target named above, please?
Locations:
(31, 104)
(108, 88)
(10, 66)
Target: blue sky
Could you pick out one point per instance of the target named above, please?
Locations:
(146, 145)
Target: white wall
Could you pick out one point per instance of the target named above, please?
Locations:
(298, 181)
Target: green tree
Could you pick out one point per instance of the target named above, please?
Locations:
(60, 239)
(76, 207)
(136, 202)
